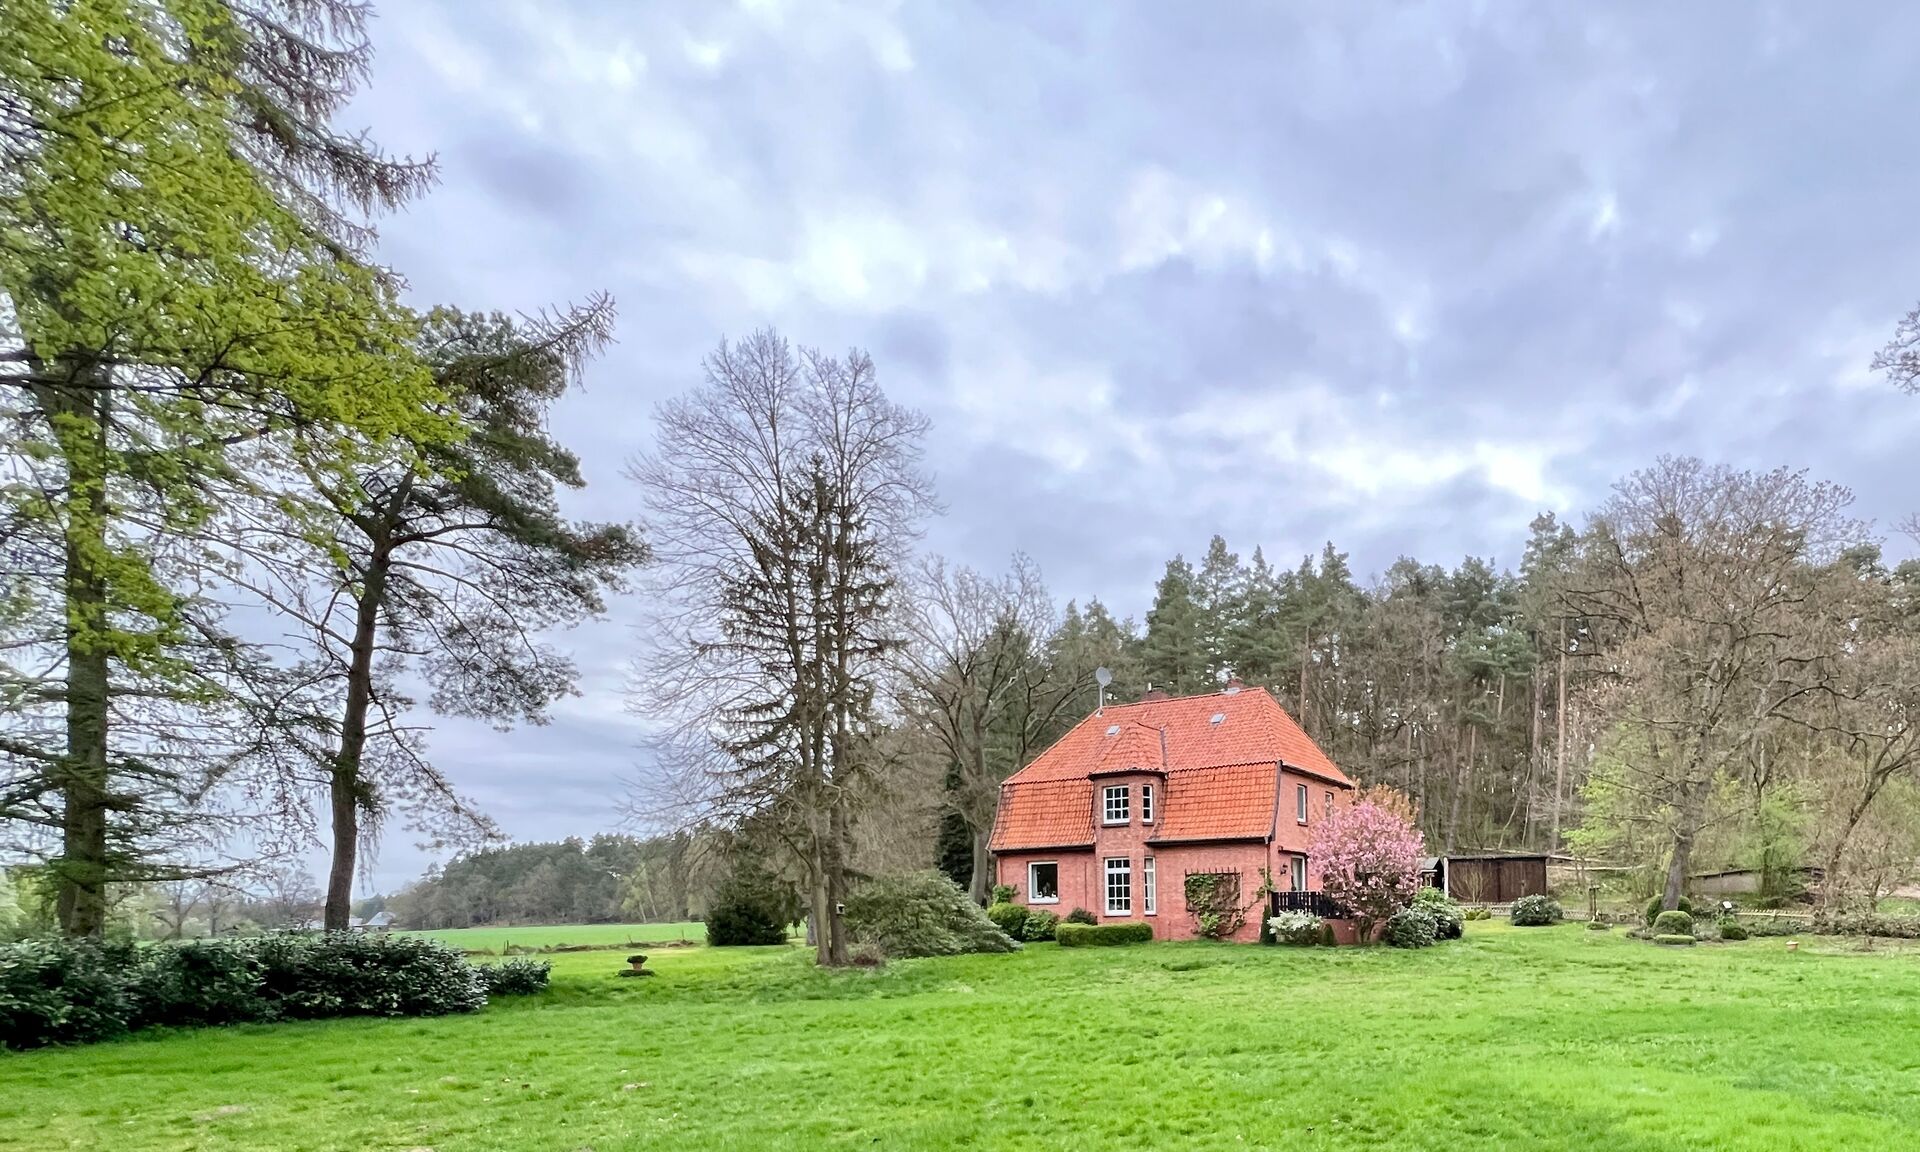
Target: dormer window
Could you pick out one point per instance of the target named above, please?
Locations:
(1115, 804)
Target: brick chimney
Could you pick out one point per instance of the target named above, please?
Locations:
(1234, 686)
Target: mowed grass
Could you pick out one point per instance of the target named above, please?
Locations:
(497, 940)
(1555, 1038)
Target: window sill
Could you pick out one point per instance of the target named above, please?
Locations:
(1044, 900)
(1115, 823)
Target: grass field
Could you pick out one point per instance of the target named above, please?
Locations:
(496, 940)
(1511, 1039)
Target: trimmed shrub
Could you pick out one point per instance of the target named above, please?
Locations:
(1673, 923)
(1003, 893)
(1082, 916)
(1300, 929)
(1410, 928)
(752, 907)
(1076, 935)
(1775, 926)
(67, 992)
(1599, 926)
(1535, 911)
(1731, 929)
(1011, 918)
(520, 976)
(1673, 940)
(1477, 914)
(1653, 908)
(922, 914)
(1445, 910)
(1041, 925)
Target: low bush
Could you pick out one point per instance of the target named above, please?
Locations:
(1076, 935)
(1082, 916)
(1300, 929)
(1598, 926)
(1002, 894)
(1673, 939)
(519, 976)
(922, 914)
(1445, 910)
(1731, 929)
(1654, 908)
(1673, 923)
(1012, 919)
(1873, 924)
(1774, 926)
(1535, 911)
(1477, 914)
(1041, 925)
(67, 992)
(1411, 927)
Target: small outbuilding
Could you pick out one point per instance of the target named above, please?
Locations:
(1495, 878)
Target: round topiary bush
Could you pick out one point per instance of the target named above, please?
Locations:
(1673, 940)
(1410, 928)
(1731, 929)
(1673, 923)
(1654, 909)
(1535, 911)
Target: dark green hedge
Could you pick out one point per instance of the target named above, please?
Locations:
(75, 991)
(1096, 935)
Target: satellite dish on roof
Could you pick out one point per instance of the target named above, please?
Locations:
(1102, 676)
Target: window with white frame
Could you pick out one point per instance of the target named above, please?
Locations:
(1043, 882)
(1119, 886)
(1148, 901)
(1300, 802)
(1328, 810)
(1299, 876)
(1114, 803)
(1146, 803)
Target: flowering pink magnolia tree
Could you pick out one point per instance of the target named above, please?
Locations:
(1369, 860)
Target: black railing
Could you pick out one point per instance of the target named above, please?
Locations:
(1318, 903)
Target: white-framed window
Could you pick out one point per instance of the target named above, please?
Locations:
(1119, 886)
(1300, 802)
(1043, 882)
(1328, 810)
(1146, 803)
(1114, 804)
(1298, 866)
(1148, 899)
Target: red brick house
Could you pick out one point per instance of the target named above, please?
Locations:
(1119, 812)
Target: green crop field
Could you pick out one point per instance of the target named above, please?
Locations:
(497, 940)
(1553, 1038)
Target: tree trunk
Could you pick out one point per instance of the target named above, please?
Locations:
(1560, 750)
(82, 778)
(348, 790)
(983, 877)
(1533, 754)
(837, 886)
(1692, 814)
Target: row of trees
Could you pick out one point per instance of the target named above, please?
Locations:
(606, 880)
(248, 492)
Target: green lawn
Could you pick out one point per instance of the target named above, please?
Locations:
(548, 935)
(1512, 1039)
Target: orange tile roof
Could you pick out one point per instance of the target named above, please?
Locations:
(1220, 774)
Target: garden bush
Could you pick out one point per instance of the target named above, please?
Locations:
(520, 976)
(1873, 924)
(1012, 919)
(1477, 914)
(66, 992)
(1673, 939)
(922, 914)
(1003, 894)
(1535, 911)
(1041, 925)
(1082, 916)
(1411, 927)
(1731, 929)
(1599, 926)
(1300, 929)
(1445, 910)
(1673, 923)
(752, 907)
(1653, 908)
(1098, 935)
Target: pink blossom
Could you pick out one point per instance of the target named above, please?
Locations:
(1369, 860)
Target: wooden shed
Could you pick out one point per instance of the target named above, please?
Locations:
(1492, 879)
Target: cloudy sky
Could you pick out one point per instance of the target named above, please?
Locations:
(1395, 275)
